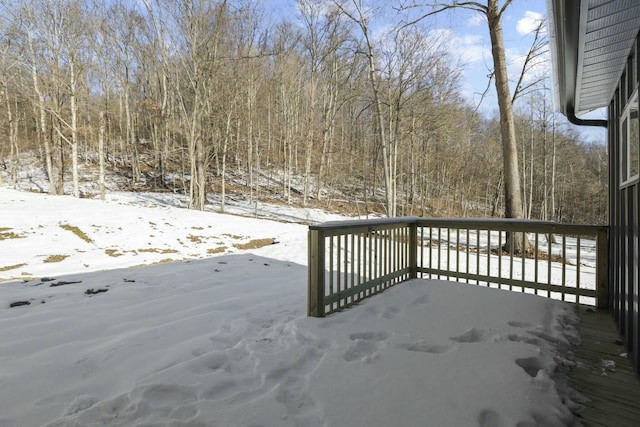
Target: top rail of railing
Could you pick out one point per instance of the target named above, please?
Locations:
(506, 224)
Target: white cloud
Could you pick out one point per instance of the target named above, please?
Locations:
(529, 23)
(476, 20)
(469, 48)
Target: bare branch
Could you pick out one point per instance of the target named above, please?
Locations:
(536, 50)
(503, 8)
(484, 93)
(441, 7)
(524, 90)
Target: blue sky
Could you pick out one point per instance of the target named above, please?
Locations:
(467, 39)
(468, 35)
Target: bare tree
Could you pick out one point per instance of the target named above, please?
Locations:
(388, 143)
(494, 12)
(197, 30)
(60, 28)
(43, 130)
(325, 34)
(121, 26)
(9, 84)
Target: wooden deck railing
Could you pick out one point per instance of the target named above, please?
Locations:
(352, 260)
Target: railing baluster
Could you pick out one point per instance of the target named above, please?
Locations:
(524, 258)
(457, 250)
(352, 269)
(384, 240)
(383, 254)
(421, 241)
(379, 259)
(478, 255)
(339, 268)
(376, 259)
(549, 258)
(331, 270)
(385, 258)
(367, 261)
(400, 239)
(358, 295)
(392, 233)
(511, 238)
(421, 262)
(439, 250)
(535, 255)
(578, 267)
(468, 247)
(499, 258)
(448, 249)
(564, 266)
(393, 252)
(430, 251)
(488, 256)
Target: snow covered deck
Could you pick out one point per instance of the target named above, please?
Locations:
(350, 261)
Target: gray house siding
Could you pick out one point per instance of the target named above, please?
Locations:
(624, 207)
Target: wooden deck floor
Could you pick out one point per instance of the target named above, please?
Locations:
(613, 390)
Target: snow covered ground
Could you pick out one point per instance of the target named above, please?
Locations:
(220, 337)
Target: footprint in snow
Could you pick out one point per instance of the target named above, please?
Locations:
(472, 335)
(490, 418)
(369, 336)
(366, 346)
(158, 404)
(366, 351)
(519, 324)
(422, 300)
(424, 347)
(531, 365)
(390, 312)
(527, 340)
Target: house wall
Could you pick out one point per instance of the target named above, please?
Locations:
(624, 206)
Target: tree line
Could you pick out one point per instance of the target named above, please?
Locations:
(319, 109)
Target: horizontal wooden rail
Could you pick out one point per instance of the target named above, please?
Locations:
(352, 260)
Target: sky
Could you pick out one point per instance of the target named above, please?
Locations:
(469, 31)
(468, 40)
(102, 329)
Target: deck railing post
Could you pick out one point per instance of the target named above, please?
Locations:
(413, 250)
(315, 306)
(602, 269)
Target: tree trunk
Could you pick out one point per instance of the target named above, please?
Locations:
(130, 135)
(223, 161)
(512, 190)
(13, 139)
(101, 153)
(43, 122)
(553, 170)
(74, 129)
(531, 167)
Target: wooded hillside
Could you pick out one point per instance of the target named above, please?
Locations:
(185, 95)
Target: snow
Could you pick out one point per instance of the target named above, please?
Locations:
(220, 337)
